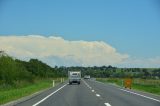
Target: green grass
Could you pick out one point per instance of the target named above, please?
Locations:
(155, 89)
(13, 93)
(151, 86)
(110, 80)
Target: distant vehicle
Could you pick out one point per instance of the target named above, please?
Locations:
(87, 77)
(74, 77)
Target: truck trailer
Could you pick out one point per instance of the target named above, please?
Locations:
(74, 77)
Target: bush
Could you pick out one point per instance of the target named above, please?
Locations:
(11, 71)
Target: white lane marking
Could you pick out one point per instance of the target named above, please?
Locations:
(107, 104)
(48, 96)
(98, 95)
(141, 95)
(134, 93)
(87, 84)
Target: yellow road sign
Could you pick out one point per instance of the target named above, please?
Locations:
(128, 83)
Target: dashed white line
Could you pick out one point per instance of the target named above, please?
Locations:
(107, 104)
(48, 96)
(140, 95)
(87, 85)
(98, 95)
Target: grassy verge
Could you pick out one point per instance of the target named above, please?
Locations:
(138, 84)
(147, 88)
(111, 80)
(13, 93)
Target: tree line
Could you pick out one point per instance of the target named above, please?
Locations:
(114, 72)
(13, 70)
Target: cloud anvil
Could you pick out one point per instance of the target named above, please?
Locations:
(58, 51)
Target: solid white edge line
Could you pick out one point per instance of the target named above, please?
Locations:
(48, 96)
(140, 95)
(107, 104)
(135, 93)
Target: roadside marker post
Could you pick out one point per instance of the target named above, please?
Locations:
(53, 83)
(61, 80)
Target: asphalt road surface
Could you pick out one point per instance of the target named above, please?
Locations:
(91, 93)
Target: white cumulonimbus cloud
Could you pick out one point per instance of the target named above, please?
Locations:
(61, 52)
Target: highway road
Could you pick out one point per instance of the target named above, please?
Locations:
(91, 93)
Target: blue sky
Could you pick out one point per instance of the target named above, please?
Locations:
(130, 26)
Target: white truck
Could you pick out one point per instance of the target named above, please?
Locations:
(74, 77)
